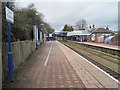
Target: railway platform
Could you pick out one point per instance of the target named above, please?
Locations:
(54, 65)
(114, 47)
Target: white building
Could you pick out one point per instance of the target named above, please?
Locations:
(79, 35)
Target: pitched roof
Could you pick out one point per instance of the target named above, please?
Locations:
(78, 32)
(102, 30)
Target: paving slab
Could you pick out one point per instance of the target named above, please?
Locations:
(91, 76)
(64, 69)
(58, 73)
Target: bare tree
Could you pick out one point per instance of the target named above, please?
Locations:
(81, 24)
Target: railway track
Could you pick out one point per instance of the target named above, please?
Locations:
(107, 62)
(111, 51)
(103, 55)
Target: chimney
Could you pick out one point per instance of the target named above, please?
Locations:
(93, 26)
(107, 28)
(90, 26)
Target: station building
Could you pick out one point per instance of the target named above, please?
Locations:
(100, 32)
(79, 35)
(98, 35)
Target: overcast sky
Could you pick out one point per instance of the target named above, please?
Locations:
(58, 13)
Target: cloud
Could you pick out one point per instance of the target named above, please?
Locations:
(65, 0)
(98, 13)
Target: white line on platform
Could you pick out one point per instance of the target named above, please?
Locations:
(93, 65)
(46, 61)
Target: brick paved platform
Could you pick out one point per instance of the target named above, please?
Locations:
(64, 69)
(57, 74)
(91, 76)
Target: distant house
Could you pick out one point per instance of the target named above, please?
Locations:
(116, 39)
(116, 33)
(100, 31)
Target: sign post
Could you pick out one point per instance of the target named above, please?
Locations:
(9, 18)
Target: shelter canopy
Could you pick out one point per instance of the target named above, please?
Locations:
(78, 33)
